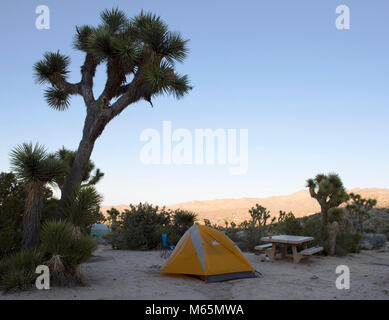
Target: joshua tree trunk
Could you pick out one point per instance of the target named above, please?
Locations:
(99, 114)
(324, 220)
(332, 232)
(74, 179)
(324, 215)
(32, 216)
(93, 127)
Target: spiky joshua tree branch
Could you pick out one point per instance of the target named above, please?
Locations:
(139, 53)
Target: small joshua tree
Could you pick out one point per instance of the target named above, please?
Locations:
(359, 209)
(36, 168)
(91, 175)
(260, 215)
(329, 191)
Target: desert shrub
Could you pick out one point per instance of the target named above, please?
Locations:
(385, 230)
(336, 215)
(369, 230)
(358, 209)
(348, 240)
(312, 227)
(348, 237)
(81, 250)
(257, 228)
(84, 208)
(183, 220)
(288, 224)
(12, 198)
(248, 234)
(116, 238)
(138, 228)
(50, 209)
(253, 230)
(65, 248)
(17, 271)
(252, 237)
(12, 207)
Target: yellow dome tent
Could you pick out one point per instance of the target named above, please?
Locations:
(209, 254)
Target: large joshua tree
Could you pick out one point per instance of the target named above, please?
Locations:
(139, 54)
(35, 168)
(329, 191)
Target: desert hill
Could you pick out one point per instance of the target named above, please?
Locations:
(300, 203)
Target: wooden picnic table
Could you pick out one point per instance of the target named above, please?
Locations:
(283, 241)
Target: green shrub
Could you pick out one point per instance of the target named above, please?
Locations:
(56, 237)
(116, 238)
(183, 220)
(336, 215)
(66, 248)
(288, 224)
(12, 198)
(252, 237)
(12, 207)
(84, 208)
(139, 227)
(17, 279)
(312, 227)
(82, 250)
(370, 230)
(348, 238)
(17, 271)
(249, 233)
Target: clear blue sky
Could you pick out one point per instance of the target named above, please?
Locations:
(314, 98)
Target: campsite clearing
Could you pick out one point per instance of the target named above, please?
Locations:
(113, 274)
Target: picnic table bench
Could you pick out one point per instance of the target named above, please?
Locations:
(283, 241)
(263, 247)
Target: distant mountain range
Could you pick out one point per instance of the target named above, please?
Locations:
(300, 203)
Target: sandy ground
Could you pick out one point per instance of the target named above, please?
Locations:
(134, 275)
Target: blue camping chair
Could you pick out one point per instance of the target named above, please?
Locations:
(167, 246)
